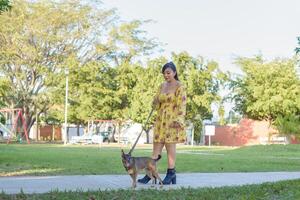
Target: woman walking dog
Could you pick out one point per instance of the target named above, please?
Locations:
(170, 102)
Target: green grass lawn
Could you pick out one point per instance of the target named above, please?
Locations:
(283, 190)
(51, 159)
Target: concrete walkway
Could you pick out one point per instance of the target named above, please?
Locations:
(42, 184)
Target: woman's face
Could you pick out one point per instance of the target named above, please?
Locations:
(169, 74)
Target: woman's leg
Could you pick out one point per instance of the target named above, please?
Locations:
(171, 152)
(157, 149)
(171, 172)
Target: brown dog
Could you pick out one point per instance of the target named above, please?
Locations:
(134, 164)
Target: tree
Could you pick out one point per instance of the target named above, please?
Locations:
(289, 124)
(4, 88)
(101, 87)
(37, 40)
(127, 42)
(148, 80)
(267, 89)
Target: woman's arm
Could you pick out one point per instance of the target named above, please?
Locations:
(155, 102)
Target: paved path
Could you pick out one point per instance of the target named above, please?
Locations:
(42, 184)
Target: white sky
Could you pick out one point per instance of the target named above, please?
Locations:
(218, 29)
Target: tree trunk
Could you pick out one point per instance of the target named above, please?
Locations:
(37, 128)
(269, 134)
(67, 139)
(119, 132)
(78, 132)
(147, 136)
(53, 132)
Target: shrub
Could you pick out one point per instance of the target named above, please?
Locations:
(289, 124)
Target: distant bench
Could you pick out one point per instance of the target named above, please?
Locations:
(87, 139)
(123, 140)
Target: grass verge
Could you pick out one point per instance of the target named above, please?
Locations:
(46, 159)
(281, 190)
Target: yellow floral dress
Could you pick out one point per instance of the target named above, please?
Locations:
(171, 108)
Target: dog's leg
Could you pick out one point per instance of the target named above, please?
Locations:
(150, 174)
(155, 173)
(133, 176)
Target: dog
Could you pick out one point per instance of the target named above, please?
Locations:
(134, 164)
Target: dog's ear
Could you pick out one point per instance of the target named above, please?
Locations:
(122, 152)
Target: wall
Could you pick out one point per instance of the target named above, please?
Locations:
(247, 132)
(46, 132)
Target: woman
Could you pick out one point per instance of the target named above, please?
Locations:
(169, 129)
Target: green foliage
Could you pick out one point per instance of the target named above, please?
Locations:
(148, 81)
(37, 40)
(289, 124)
(50, 36)
(102, 87)
(5, 87)
(126, 80)
(267, 89)
(4, 5)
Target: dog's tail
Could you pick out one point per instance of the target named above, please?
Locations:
(157, 159)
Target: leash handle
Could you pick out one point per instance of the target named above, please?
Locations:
(137, 139)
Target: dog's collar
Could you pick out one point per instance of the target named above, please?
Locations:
(128, 168)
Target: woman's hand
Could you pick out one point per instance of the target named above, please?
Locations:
(155, 102)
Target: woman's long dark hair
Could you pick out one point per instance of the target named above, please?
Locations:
(172, 66)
